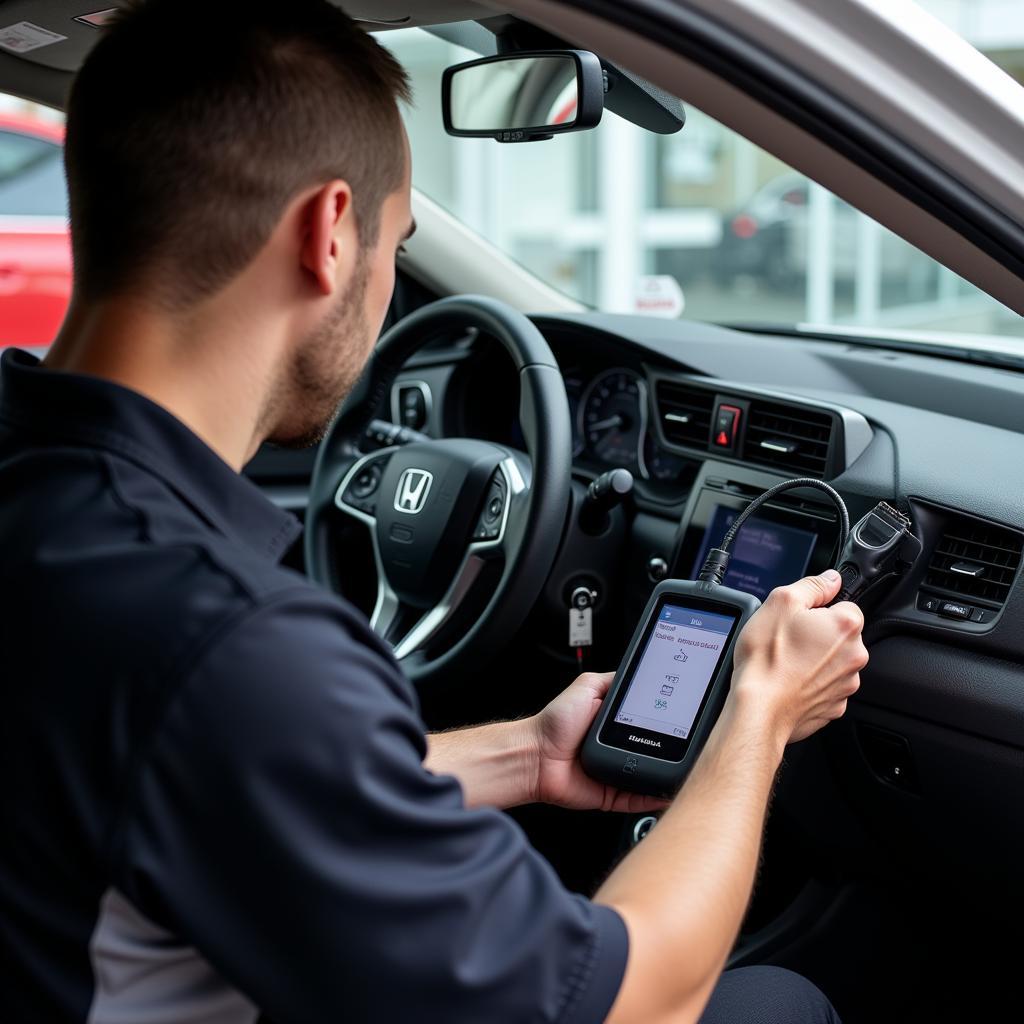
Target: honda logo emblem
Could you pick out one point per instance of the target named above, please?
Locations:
(412, 490)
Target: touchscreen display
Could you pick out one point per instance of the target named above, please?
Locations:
(678, 663)
(765, 555)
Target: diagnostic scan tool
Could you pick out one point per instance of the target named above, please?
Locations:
(669, 689)
(674, 678)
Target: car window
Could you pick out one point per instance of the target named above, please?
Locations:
(618, 214)
(31, 177)
(35, 249)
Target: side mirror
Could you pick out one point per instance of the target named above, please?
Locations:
(523, 97)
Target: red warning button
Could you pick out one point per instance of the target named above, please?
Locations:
(727, 425)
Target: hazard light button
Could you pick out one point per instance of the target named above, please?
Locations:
(726, 428)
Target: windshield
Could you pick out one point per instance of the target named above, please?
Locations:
(702, 223)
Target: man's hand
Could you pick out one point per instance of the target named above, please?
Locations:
(798, 662)
(559, 731)
(684, 890)
(534, 759)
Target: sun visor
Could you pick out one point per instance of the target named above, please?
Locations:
(52, 33)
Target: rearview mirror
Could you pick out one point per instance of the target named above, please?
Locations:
(523, 97)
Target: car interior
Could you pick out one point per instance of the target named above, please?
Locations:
(890, 873)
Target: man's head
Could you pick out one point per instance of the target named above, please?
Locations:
(202, 136)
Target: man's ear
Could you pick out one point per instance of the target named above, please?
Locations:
(328, 225)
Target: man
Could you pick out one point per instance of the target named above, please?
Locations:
(216, 804)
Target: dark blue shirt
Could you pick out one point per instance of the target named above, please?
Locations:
(214, 804)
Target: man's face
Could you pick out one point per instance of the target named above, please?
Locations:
(329, 360)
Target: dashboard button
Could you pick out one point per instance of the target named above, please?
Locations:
(954, 610)
(727, 423)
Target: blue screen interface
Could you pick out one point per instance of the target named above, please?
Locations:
(678, 663)
(765, 555)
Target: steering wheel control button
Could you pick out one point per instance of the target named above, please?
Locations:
(488, 526)
(412, 404)
(360, 491)
(726, 428)
(366, 481)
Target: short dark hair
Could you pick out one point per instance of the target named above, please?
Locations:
(192, 124)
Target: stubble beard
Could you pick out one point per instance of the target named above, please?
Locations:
(326, 367)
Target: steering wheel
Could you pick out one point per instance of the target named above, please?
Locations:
(441, 511)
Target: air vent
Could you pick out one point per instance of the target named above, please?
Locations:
(788, 437)
(975, 559)
(685, 413)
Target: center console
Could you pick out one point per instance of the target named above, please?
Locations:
(792, 536)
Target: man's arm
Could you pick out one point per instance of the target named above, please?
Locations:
(684, 890)
(534, 760)
(496, 764)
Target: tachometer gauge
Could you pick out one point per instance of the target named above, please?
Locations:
(613, 419)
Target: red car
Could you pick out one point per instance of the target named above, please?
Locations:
(35, 250)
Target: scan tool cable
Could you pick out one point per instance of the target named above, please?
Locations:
(717, 562)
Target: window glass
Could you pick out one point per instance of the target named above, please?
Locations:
(35, 250)
(746, 238)
(31, 176)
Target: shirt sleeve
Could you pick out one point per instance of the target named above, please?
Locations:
(284, 824)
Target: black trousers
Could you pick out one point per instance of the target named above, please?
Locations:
(767, 995)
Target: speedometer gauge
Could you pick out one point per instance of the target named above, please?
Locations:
(613, 419)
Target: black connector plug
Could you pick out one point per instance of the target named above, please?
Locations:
(715, 567)
(879, 547)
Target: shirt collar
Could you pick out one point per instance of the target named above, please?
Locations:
(98, 413)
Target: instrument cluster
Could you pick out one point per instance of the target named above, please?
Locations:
(611, 413)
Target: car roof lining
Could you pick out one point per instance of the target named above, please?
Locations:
(67, 55)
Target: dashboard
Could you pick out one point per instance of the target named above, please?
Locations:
(700, 445)
(705, 418)
(610, 404)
